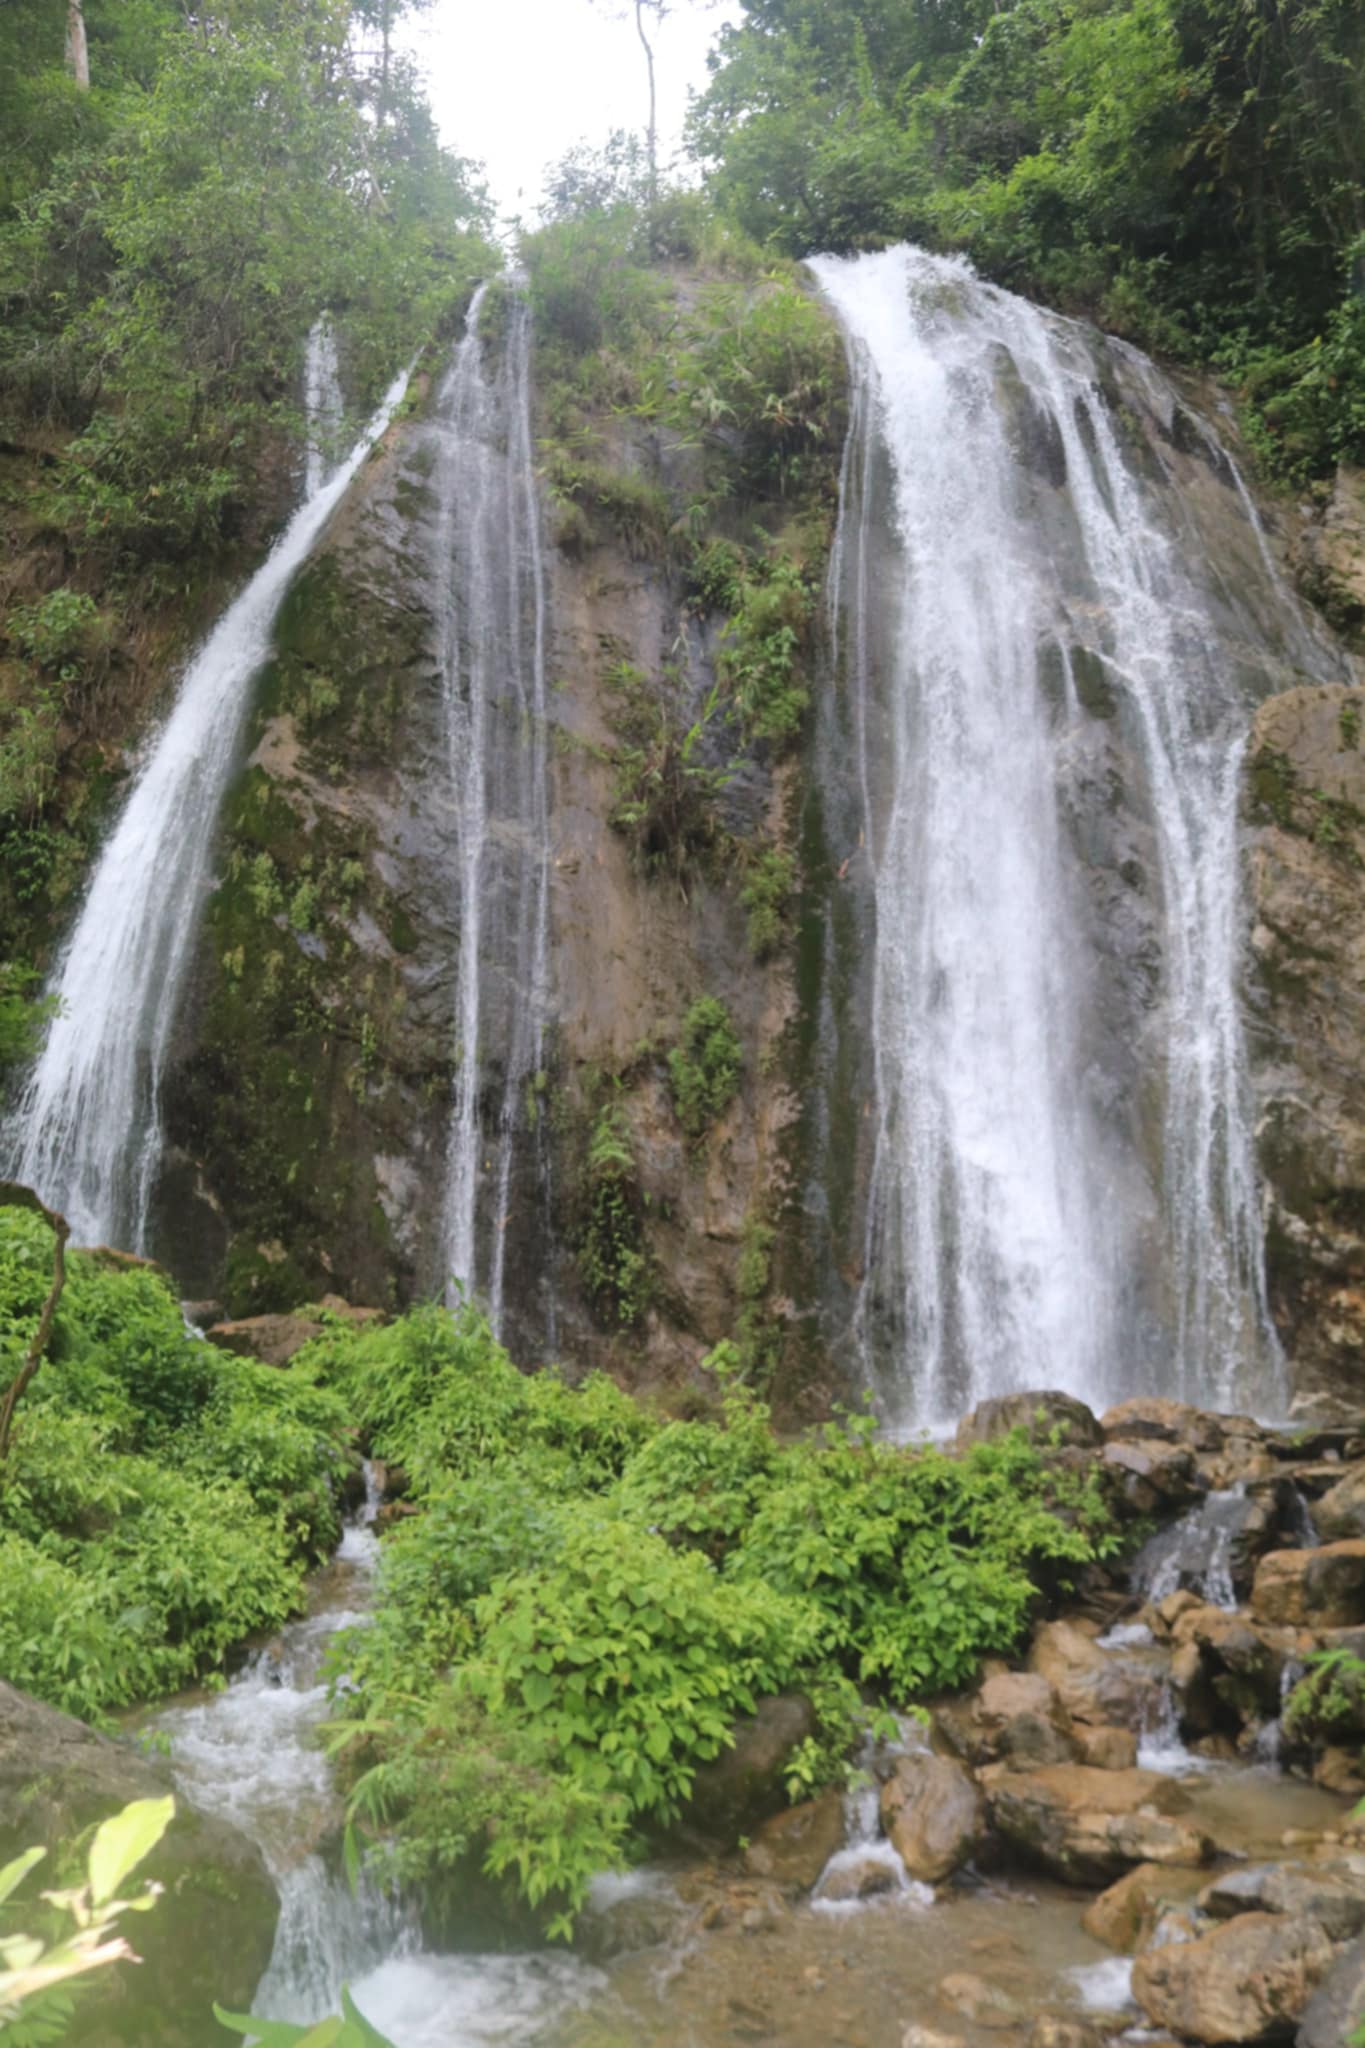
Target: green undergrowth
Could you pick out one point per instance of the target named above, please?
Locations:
(161, 1500)
(584, 1596)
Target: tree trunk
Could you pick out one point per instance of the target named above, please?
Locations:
(652, 132)
(77, 54)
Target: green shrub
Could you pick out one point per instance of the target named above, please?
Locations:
(767, 633)
(762, 374)
(611, 1254)
(704, 1066)
(766, 894)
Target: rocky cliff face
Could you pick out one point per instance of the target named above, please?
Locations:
(311, 1098)
(311, 1094)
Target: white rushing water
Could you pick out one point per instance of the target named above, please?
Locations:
(1055, 1200)
(323, 405)
(87, 1133)
(489, 580)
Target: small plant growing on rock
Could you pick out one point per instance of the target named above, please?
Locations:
(704, 1066)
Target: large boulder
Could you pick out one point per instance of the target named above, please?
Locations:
(1337, 2007)
(933, 1813)
(1312, 1588)
(1015, 1715)
(271, 1339)
(793, 1847)
(210, 1934)
(746, 1783)
(1088, 1826)
(1172, 1422)
(1333, 1895)
(1090, 1684)
(1340, 1514)
(1123, 1915)
(1247, 1982)
(1155, 1475)
(1047, 1418)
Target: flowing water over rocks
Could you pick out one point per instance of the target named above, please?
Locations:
(88, 1129)
(1048, 688)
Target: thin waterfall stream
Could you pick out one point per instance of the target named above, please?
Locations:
(87, 1132)
(489, 580)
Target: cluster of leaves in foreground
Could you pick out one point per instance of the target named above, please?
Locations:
(589, 1597)
(161, 1500)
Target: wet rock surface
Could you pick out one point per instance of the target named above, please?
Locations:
(211, 1932)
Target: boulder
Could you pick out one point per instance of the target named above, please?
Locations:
(271, 1339)
(1172, 1422)
(1155, 1474)
(981, 2003)
(1047, 1417)
(1123, 1916)
(1340, 1514)
(745, 1783)
(1337, 2007)
(859, 1877)
(1090, 1684)
(933, 1813)
(210, 1933)
(1106, 1749)
(1015, 1714)
(793, 1847)
(1332, 1895)
(1064, 2030)
(1246, 1982)
(1312, 1588)
(1087, 1826)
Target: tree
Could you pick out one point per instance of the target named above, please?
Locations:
(649, 14)
(15, 1196)
(77, 53)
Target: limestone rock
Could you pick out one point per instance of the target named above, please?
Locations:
(1063, 2030)
(1332, 1895)
(1159, 1472)
(1312, 1588)
(933, 1813)
(793, 1847)
(1246, 1982)
(744, 1784)
(1106, 1749)
(979, 2002)
(271, 1339)
(1340, 1514)
(1043, 1415)
(1087, 1826)
(1015, 1714)
(860, 1877)
(1337, 2007)
(209, 1935)
(1174, 1422)
(1123, 1916)
(1091, 1685)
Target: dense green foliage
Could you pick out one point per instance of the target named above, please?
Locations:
(704, 1066)
(588, 1598)
(161, 1500)
(167, 239)
(1190, 171)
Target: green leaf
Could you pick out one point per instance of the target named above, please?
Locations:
(13, 1874)
(123, 1841)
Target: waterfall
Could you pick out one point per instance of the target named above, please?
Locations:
(87, 1131)
(323, 404)
(489, 583)
(1047, 694)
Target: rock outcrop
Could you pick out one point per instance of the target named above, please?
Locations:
(211, 1932)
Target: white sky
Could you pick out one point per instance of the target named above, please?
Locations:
(517, 82)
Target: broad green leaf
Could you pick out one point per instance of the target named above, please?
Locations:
(123, 1841)
(13, 1874)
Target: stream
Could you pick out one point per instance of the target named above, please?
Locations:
(696, 1954)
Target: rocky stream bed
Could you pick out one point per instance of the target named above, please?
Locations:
(1116, 1837)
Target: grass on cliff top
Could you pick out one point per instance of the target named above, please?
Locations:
(583, 1597)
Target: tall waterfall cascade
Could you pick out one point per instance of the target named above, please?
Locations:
(1046, 689)
(488, 582)
(87, 1133)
